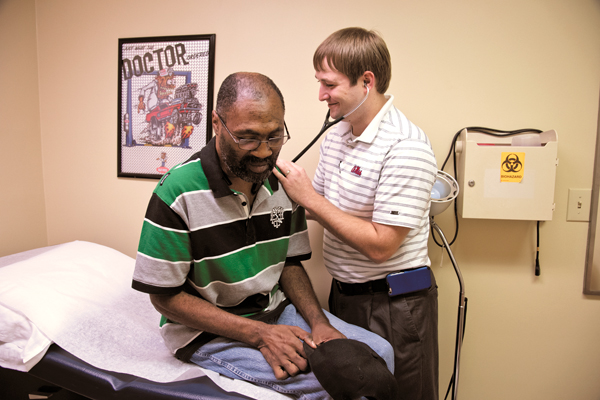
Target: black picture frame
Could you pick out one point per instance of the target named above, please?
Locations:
(165, 99)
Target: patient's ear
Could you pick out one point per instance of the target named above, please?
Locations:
(215, 121)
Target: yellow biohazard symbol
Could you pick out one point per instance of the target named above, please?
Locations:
(512, 167)
(512, 163)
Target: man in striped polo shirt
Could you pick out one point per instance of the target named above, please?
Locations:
(221, 249)
(371, 193)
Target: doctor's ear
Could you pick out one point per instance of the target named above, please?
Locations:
(368, 79)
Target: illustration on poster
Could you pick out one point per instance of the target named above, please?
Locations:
(170, 120)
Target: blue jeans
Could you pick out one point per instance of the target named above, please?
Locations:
(240, 361)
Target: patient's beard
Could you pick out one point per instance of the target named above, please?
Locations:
(239, 166)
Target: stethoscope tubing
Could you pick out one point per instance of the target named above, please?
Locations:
(326, 125)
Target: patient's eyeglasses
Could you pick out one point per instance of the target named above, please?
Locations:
(253, 144)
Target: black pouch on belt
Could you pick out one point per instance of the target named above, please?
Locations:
(408, 281)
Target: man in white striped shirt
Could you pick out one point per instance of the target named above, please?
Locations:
(371, 193)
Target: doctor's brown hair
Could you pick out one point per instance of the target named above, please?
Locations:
(353, 51)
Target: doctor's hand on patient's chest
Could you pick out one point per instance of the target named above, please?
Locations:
(295, 181)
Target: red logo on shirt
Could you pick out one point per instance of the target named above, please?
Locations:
(356, 170)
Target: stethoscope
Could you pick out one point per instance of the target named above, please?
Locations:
(328, 124)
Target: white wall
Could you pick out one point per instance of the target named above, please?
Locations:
(22, 209)
(505, 65)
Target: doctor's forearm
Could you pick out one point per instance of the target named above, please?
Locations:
(350, 229)
(375, 241)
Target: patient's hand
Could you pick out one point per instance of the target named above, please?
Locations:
(324, 332)
(281, 345)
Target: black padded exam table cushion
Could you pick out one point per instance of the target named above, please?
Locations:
(63, 369)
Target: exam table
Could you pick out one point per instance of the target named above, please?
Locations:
(60, 369)
(69, 317)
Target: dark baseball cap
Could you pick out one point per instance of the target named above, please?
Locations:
(348, 370)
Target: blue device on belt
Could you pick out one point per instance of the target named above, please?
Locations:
(408, 281)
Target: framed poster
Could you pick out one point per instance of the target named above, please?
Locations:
(165, 102)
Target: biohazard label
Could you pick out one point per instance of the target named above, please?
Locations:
(512, 167)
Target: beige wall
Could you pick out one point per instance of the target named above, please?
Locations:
(505, 65)
(22, 209)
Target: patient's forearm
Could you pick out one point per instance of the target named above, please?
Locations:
(199, 314)
(281, 345)
(297, 287)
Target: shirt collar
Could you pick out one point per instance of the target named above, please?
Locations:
(371, 130)
(216, 177)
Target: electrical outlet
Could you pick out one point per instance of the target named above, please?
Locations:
(578, 206)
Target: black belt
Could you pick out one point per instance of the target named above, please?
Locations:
(353, 289)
